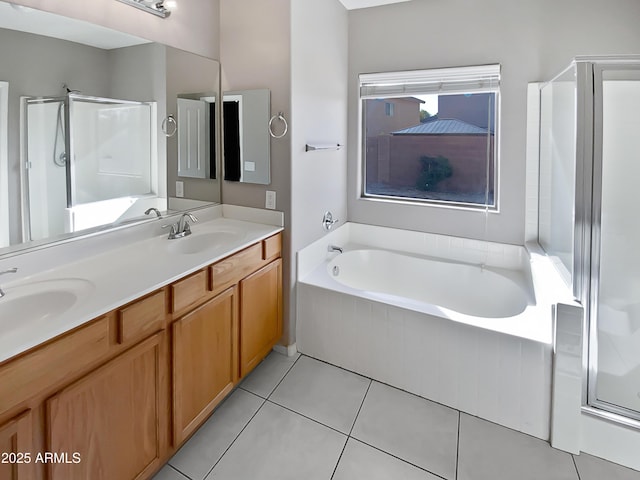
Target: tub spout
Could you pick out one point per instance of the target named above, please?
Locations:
(334, 248)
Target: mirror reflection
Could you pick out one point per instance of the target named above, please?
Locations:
(81, 143)
(246, 136)
(195, 127)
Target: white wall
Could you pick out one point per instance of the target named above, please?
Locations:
(319, 64)
(531, 40)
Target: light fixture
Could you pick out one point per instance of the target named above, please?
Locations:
(156, 7)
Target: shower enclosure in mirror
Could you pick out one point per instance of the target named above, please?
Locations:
(589, 171)
(75, 164)
(88, 161)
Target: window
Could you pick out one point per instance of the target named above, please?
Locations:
(389, 109)
(431, 136)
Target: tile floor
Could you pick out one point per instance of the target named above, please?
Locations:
(299, 418)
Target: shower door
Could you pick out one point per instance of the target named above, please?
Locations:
(614, 343)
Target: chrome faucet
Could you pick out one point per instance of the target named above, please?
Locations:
(181, 228)
(10, 270)
(334, 248)
(154, 210)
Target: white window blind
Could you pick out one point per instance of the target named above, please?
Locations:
(481, 78)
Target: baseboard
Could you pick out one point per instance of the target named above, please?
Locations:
(288, 350)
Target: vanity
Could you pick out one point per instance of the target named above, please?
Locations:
(159, 335)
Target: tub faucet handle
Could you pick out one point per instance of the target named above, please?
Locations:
(10, 270)
(328, 221)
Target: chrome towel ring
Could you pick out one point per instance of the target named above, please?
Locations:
(169, 126)
(279, 116)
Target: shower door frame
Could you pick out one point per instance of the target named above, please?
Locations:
(25, 101)
(592, 167)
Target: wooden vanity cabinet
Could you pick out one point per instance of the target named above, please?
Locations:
(111, 419)
(261, 314)
(117, 396)
(16, 440)
(205, 361)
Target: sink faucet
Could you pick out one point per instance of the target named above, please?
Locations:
(181, 228)
(334, 248)
(10, 270)
(154, 210)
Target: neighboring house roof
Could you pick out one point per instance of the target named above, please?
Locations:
(443, 126)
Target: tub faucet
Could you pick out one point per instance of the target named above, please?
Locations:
(334, 248)
(10, 270)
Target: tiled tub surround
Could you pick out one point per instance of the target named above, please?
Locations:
(123, 265)
(496, 368)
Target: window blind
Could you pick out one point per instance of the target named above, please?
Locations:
(476, 79)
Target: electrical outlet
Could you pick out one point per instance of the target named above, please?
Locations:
(270, 201)
(179, 189)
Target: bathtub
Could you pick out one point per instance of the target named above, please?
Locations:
(461, 322)
(450, 288)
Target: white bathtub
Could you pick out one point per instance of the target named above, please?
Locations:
(452, 287)
(460, 322)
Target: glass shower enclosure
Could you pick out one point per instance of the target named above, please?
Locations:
(88, 160)
(588, 220)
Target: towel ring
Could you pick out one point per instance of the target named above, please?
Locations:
(167, 123)
(279, 116)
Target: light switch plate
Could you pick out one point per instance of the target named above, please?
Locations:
(270, 201)
(179, 189)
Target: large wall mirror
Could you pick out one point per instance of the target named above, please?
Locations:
(85, 141)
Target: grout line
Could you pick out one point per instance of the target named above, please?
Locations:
(308, 418)
(359, 409)
(346, 440)
(575, 465)
(284, 376)
(458, 447)
(236, 437)
(398, 458)
(179, 472)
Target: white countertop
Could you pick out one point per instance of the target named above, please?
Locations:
(110, 272)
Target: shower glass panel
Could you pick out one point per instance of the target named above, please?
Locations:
(46, 169)
(556, 200)
(111, 146)
(616, 258)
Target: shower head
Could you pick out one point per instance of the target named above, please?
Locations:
(69, 90)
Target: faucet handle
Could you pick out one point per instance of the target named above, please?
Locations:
(173, 231)
(191, 216)
(9, 270)
(328, 221)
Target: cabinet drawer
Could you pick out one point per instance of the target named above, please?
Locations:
(142, 318)
(272, 247)
(36, 371)
(231, 270)
(188, 291)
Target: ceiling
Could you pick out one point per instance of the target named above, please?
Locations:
(354, 4)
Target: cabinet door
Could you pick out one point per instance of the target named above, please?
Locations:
(205, 365)
(260, 314)
(110, 418)
(16, 448)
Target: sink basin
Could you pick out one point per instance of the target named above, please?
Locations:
(201, 241)
(41, 300)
